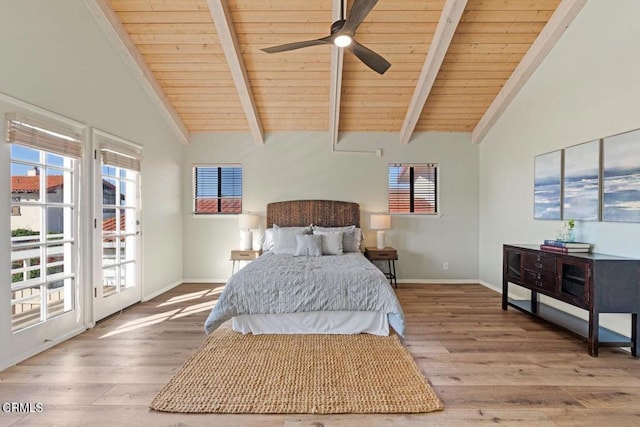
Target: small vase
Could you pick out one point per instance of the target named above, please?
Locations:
(570, 236)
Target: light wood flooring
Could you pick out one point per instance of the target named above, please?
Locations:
(488, 366)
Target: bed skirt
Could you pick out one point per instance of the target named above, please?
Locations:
(317, 322)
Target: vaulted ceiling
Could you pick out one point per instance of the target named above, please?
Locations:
(455, 63)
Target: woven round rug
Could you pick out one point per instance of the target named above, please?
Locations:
(312, 374)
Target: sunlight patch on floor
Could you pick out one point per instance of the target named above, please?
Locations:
(192, 296)
(154, 319)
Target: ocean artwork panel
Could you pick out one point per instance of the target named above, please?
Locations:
(547, 186)
(580, 199)
(621, 177)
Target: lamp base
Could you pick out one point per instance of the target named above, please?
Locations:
(246, 240)
(380, 239)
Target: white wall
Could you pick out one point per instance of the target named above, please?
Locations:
(587, 88)
(300, 165)
(55, 56)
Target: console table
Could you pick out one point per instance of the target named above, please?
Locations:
(594, 282)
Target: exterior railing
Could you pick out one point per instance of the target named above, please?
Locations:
(28, 279)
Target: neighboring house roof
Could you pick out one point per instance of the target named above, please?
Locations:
(109, 224)
(231, 204)
(31, 184)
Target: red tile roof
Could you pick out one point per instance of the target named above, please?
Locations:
(109, 224)
(229, 205)
(31, 184)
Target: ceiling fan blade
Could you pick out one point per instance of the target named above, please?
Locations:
(371, 59)
(298, 45)
(359, 11)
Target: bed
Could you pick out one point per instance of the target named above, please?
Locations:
(293, 289)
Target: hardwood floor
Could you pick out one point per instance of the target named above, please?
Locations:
(487, 365)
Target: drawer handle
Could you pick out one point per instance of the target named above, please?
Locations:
(538, 276)
(538, 265)
(538, 283)
(244, 255)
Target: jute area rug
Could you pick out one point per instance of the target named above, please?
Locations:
(296, 374)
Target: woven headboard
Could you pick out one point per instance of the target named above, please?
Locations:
(325, 213)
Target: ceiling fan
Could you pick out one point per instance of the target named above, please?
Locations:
(342, 35)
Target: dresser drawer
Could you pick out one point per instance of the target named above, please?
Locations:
(539, 280)
(539, 263)
(384, 255)
(374, 254)
(244, 255)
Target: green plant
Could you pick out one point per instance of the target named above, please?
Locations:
(571, 223)
(19, 232)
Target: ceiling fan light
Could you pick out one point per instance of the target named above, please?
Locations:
(342, 40)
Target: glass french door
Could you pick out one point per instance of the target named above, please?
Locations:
(43, 236)
(43, 267)
(117, 279)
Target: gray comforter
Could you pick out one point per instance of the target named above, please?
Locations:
(287, 284)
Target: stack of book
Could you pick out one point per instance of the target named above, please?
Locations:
(563, 247)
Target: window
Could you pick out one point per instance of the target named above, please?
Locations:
(15, 209)
(44, 163)
(217, 189)
(413, 188)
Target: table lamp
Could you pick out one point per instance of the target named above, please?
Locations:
(380, 222)
(247, 222)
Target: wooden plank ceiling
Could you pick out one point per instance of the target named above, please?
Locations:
(180, 45)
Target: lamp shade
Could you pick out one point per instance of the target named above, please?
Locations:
(380, 222)
(248, 221)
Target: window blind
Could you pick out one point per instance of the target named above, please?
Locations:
(111, 158)
(413, 188)
(218, 189)
(23, 131)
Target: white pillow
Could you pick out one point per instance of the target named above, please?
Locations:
(267, 240)
(351, 237)
(284, 239)
(308, 245)
(331, 242)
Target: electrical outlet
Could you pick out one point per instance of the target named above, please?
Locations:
(445, 265)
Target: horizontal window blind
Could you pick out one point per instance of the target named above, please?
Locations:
(111, 158)
(22, 131)
(218, 189)
(413, 188)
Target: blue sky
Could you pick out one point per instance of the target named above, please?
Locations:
(19, 152)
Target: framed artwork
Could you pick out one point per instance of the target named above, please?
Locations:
(581, 182)
(547, 186)
(621, 177)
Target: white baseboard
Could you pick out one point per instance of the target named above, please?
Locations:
(161, 291)
(425, 281)
(498, 289)
(439, 281)
(39, 349)
(205, 280)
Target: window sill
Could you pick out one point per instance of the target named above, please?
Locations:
(213, 216)
(416, 215)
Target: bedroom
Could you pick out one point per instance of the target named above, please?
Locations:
(586, 88)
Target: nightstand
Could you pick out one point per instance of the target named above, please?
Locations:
(387, 254)
(242, 255)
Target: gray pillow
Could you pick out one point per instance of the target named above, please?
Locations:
(284, 239)
(351, 236)
(308, 245)
(331, 242)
